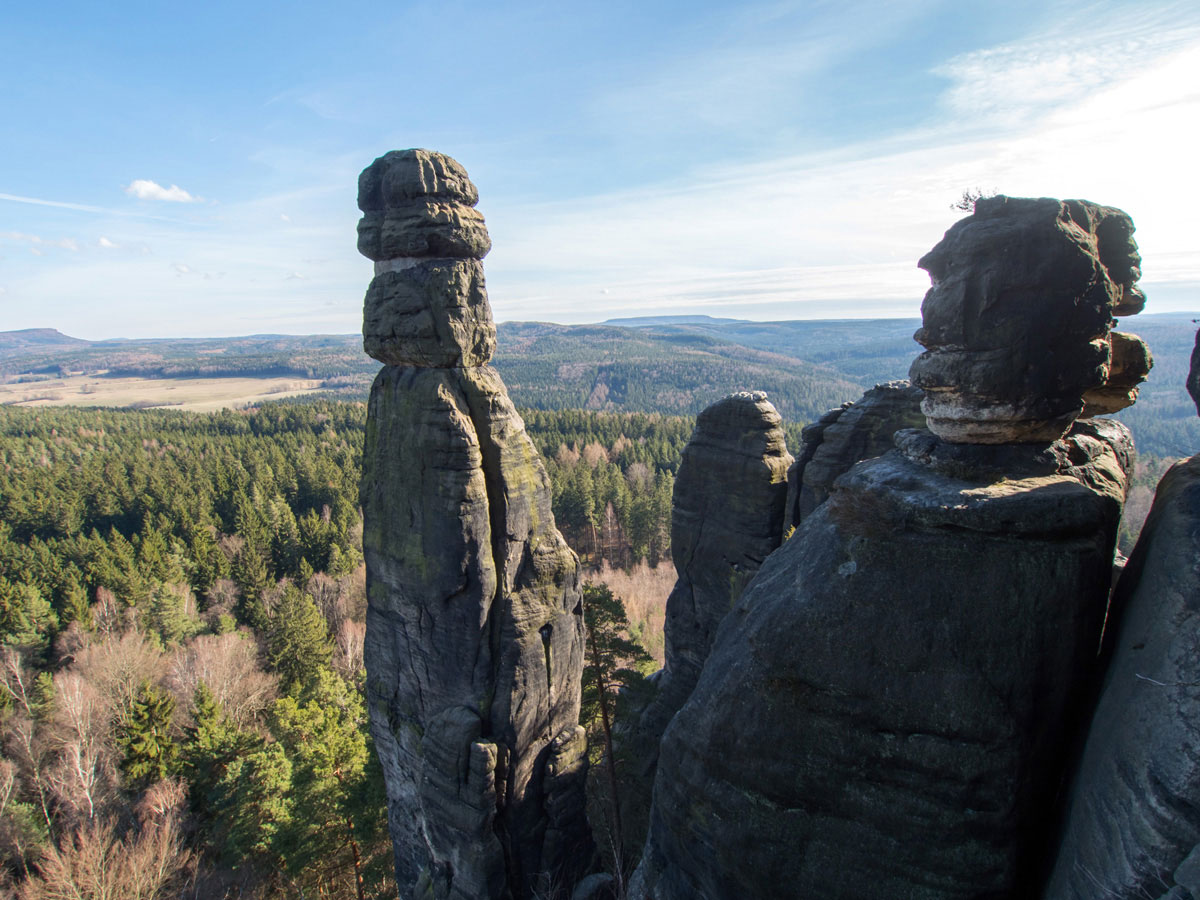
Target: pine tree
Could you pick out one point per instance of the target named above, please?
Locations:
(151, 754)
(298, 641)
(612, 663)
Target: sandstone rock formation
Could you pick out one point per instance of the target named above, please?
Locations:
(727, 516)
(885, 712)
(889, 709)
(1016, 323)
(474, 641)
(846, 435)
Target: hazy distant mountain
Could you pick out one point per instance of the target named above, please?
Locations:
(647, 321)
(36, 339)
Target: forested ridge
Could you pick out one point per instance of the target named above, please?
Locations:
(671, 365)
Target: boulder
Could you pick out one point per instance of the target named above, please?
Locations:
(886, 711)
(416, 204)
(1133, 821)
(846, 435)
(1016, 323)
(1131, 363)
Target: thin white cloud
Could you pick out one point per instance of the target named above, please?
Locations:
(107, 244)
(144, 189)
(181, 268)
(37, 240)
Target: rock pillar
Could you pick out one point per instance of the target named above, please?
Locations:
(474, 644)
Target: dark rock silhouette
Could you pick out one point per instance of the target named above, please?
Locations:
(474, 643)
(847, 435)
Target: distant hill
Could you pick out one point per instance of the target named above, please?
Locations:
(647, 321)
(33, 339)
(665, 364)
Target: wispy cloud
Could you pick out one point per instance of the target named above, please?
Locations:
(107, 244)
(850, 224)
(144, 189)
(38, 241)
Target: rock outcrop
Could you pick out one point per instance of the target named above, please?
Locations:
(847, 435)
(1016, 323)
(727, 516)
(889, 709)
(474, 643)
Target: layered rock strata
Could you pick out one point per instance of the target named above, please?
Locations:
(474, 644)
(1016, 323)
(727, 516)
(846, 435)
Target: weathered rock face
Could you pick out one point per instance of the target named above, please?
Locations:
(474, 643)
(1016, 323)
(1133, 825)
(885, 711)
(846, 435)
(416, 204)
(433, 313)
(727, 516)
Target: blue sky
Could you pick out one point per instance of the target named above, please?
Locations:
(190, 169)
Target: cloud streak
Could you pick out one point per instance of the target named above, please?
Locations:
(144, 189)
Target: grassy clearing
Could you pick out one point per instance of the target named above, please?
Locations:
(196, 394)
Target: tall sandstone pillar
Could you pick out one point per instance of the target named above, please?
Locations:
(886, 710)
(474, 645)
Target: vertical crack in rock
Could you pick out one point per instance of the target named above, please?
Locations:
(472, 591)
(889, 708)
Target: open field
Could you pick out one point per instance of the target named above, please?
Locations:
(197, 394)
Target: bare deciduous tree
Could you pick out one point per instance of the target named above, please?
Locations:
(116, 667)
(348, 651)
(94, 863)
(82, 776)
(228, 664)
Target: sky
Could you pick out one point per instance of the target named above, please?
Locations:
(188, 170)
